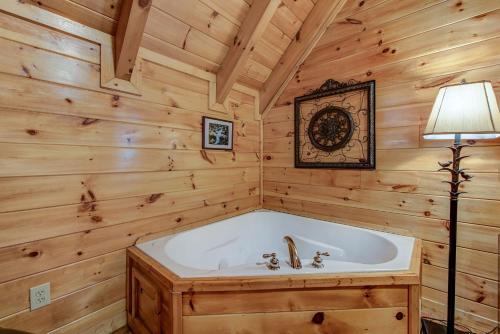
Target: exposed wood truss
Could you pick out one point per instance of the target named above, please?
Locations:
(316, 23)
(107, 72)
(134, 15)
(251, 30)
(108, 78)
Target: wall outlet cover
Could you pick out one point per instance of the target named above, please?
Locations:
(39, 296)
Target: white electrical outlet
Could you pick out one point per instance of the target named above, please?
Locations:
(39, 296)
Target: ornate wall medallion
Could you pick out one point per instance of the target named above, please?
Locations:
(335, 126)
(330, 128)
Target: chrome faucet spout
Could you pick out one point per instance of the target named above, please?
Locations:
(294, 254)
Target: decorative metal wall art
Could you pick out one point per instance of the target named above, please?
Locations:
(335, 126)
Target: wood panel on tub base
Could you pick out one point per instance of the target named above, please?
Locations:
(159, 302)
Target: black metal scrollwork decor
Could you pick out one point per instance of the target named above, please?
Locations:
(335, 126)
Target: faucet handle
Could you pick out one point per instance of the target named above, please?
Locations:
(318, 261)
(274, 263)
(266, 256)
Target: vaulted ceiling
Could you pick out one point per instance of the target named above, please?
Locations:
(202, 32)
(198, 32)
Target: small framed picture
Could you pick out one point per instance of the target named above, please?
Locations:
(217, 134)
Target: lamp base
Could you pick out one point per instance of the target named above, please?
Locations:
(431, 327)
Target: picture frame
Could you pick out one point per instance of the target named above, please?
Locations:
(217, 134)
(334, 126)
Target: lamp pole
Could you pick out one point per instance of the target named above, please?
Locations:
(458, 176)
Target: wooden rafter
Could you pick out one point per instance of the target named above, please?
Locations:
(251, 30)
(133, 17)
(316, 23)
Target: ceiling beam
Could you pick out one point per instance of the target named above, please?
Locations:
(315, 24)
(131, 25)
(251, 30)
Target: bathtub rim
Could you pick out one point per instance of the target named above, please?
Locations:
(184, 284)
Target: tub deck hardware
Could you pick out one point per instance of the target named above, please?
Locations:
(274, 263)
(294, 254)
(318, 261)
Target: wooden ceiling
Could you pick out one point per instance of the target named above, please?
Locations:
(198, 32)
(201, 32)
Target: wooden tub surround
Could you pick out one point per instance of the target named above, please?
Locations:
(158, 301)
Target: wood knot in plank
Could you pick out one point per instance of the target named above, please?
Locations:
(154, 197)
(86, 206)
(91, 194)
(480, 16)
(115, 101)
(26, 71)
(480, 298)
(96, 219)
(34, 254)
(170, 163)
(205, 157)
(185, 39)
(318, 318)
(353, 21)
(88, 121)
(144, 3)
(191, 304)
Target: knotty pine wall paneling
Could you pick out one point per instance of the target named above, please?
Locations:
(410, 48)
(85, 172)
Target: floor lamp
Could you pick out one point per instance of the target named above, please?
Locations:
(462, 111)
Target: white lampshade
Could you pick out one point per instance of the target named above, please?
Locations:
(469, 109)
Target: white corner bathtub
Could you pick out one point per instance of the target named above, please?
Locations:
(234, 247)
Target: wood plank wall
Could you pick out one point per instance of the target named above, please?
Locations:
(85, 172)
(411, 48)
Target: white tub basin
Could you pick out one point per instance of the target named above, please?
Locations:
(234, 247)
